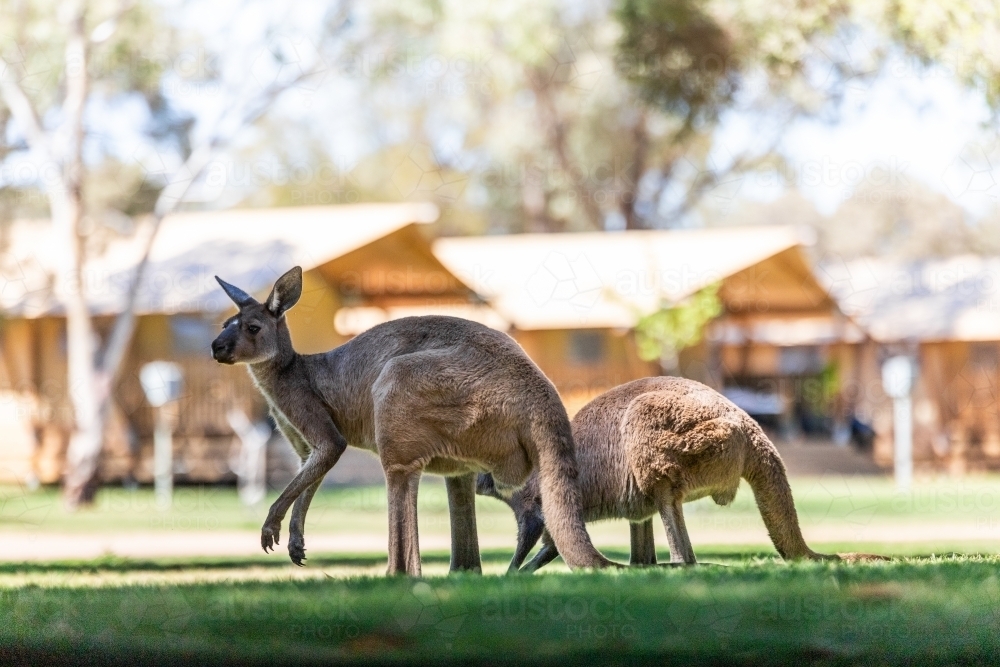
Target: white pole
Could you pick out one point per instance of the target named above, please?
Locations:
(161, 382)
(163, 460)
(897, 380)
(902, 413)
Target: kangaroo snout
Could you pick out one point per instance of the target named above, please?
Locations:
(222, 351)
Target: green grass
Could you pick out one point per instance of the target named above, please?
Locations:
(938, 611)
(753, 609)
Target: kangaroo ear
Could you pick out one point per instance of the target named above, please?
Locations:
(286, 292)
(239, 297)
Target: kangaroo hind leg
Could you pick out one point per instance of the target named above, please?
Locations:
(404, 546)
(643, 546)
(672, 513)
(462, 511)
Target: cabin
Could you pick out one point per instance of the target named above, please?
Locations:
(945, 315)
(363, 256)
(572, 301)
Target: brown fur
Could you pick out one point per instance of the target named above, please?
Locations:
(648, 446)
(436, 394)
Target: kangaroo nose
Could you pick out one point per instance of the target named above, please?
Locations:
(217, 348)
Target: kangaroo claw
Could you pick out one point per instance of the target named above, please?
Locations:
(269, 536)
(297, 551)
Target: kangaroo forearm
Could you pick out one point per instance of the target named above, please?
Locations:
(293, 437)
(301, 507)
(312, 472)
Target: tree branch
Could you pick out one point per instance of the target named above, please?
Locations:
(742, 163)
(22, 110)
(555, 131)
(106, 29)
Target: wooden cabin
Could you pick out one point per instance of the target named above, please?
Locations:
(945, 315)
(572, 301)
(371, 255)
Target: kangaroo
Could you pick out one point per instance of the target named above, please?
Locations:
(648, 446)
(437, 394)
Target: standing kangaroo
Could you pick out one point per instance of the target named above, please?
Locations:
(647, 447)
(440, 394)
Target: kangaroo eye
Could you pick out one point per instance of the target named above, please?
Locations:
(253, 329)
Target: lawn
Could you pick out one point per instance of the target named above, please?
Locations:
(752, 611)
(837, 513)
(938, 603)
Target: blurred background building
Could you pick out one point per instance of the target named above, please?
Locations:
(770, 199)
(799, 347)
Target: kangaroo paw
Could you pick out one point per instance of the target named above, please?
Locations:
(269, 535)
(297, 550)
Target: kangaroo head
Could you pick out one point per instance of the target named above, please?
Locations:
(526, 502)
(253, 334)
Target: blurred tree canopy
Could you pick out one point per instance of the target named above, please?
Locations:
(557, 116)
(565, 117)
(132, 52)
(546, 115)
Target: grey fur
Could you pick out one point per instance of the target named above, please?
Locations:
(436, 394)
(645, 448)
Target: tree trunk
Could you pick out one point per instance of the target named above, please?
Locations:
(554, 127)
(86, 391)
(636, 169)
(85, 386)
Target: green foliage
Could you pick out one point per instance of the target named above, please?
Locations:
(681, 57)
(693, 57)
(664, 333)
(961, 35)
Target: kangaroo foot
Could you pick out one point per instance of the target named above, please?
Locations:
(269, 534)
(297, 549)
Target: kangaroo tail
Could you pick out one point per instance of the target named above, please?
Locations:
(766, 475)
(561, 504)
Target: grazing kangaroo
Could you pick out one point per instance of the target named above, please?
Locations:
(440, 394)
(647, 447)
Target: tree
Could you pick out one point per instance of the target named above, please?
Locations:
(663, 334)
(104, 51)
(565, 117)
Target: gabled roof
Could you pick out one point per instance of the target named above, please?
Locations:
(247, 247)
(606, 280)
(954, 299)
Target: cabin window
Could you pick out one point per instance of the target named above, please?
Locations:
(586, 347)
(800, 360)
(192, 334)
(984, 356)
